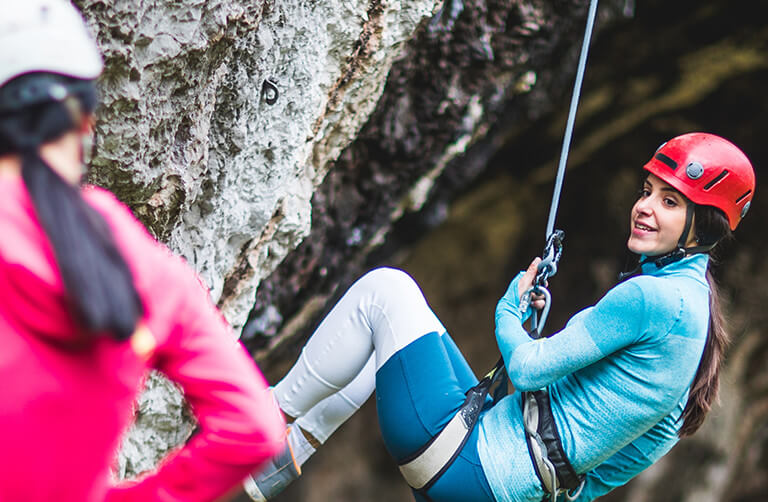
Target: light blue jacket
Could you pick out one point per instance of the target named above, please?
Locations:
(618, 375)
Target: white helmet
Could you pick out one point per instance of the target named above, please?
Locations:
(45, 36)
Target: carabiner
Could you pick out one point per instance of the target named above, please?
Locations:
(550, 257)
(546, 269)
(537, 320)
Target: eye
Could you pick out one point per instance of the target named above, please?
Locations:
(670, 202)
(643, 192)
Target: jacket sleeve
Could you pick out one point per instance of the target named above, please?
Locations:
(615, 322)
(630, 461)
(239, 424)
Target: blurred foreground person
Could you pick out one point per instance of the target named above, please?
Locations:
(89, 301)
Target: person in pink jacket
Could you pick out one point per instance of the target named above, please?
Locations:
(89, 302)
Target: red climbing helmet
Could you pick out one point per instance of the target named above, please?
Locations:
(709, 170)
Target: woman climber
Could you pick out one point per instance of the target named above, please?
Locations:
(90, 302)
(594, 405)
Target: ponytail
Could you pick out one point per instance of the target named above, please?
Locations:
(706, 383)
(711, 226)
(98, 281)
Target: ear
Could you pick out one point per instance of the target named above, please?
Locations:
(87, 124)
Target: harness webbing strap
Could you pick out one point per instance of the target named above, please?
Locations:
(426, 465)
(422, 469)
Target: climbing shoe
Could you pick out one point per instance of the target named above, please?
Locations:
(276, 475)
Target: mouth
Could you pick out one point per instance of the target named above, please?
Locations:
(643, 227)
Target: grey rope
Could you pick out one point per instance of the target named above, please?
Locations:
(571, 117)
(550, 267)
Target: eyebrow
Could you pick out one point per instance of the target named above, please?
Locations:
(663, 189)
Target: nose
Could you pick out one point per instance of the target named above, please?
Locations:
(644, 205)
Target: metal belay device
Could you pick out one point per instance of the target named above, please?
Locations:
(546, 269)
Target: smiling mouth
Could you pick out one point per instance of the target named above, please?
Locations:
(644, 228)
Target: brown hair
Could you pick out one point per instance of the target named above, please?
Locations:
(711, 226)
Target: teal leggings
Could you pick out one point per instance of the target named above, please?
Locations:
(418, 390)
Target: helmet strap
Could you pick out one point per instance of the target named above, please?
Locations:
(682, 251)
(689, 212)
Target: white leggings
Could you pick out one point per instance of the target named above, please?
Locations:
(379, 314)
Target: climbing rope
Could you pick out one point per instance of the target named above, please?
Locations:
(554, 238)
(575, 96)
(547, 268)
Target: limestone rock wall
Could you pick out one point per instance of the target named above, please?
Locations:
(218, 120)
(220, 117)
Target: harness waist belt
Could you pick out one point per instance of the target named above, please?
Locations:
(549, 460)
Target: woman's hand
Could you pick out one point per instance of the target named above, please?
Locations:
(526, 282)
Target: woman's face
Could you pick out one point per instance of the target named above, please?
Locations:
(657, 219)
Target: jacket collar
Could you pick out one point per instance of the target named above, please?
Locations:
(693, 266)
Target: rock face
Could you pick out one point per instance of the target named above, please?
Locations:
(220, 118)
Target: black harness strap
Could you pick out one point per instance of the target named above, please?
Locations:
(567, 476)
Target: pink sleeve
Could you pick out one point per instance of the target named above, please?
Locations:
(240, 427)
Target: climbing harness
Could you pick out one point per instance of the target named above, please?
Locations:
(422, 470)
(555, 472)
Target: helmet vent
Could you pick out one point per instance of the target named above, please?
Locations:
(742, 196)
(716, 179)
(745, 208)
(666, 160)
